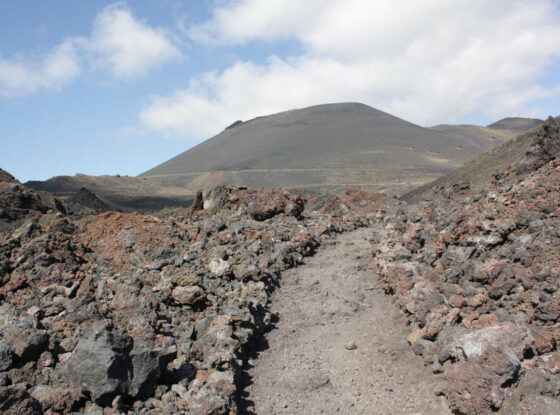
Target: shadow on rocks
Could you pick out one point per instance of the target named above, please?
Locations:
(257, 345)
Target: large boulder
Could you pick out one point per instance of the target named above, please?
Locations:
(513, 337)
(481, 384)
(107, 363)
(189, 295)
(215, 397)
(269, 203)
(538, 393)
(20, 336)
(60, 400)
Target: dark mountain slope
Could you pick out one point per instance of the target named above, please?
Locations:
(332, 146)
(127, 193)
(326, 149)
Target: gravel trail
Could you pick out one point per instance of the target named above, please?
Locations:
(339, 343)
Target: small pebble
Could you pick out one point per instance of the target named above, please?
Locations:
(351, 345)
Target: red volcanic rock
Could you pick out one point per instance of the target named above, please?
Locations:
(493, 257)
(269, 203)
(60, 400)
(127, 308)
(548, 340)
(481, 384)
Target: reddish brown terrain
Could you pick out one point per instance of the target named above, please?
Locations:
(123, 312)
(105, 312)
(478, 275)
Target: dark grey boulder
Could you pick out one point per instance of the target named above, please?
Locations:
(107, 363)
(99, 365)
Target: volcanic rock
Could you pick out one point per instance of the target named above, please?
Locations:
(492, 258)
(6, 177)
(117, 311)
(14, 401)
(482, 383)
(107, 363)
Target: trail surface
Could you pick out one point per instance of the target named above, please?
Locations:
(310, 364)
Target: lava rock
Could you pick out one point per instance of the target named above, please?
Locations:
(108, 363)
(14, 401)
(188, 295)
(481, 384)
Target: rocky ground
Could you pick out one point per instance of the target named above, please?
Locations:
(127, 313)
(105, 312)
(339, 345)
(478, 275)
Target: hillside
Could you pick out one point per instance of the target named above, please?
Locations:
(479, 171)
(325, 147)
(128, 193)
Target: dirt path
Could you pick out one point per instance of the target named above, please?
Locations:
(308, 368)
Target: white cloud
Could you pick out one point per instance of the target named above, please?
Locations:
(248, 20)
(126, 46)
(119, 43)
(428, 62)
(22, 76)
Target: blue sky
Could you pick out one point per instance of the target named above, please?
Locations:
(104, 87)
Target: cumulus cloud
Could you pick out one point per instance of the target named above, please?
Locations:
(243, 21)
(22, 76)
(119, 43)
(428, 62)
(127, 47)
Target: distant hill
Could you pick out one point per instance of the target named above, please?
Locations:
(328, 147)
(516, 124)
(494, 134)
(479, 170)
(127, 193)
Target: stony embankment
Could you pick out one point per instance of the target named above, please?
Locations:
(479, 275)
(127, 313)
